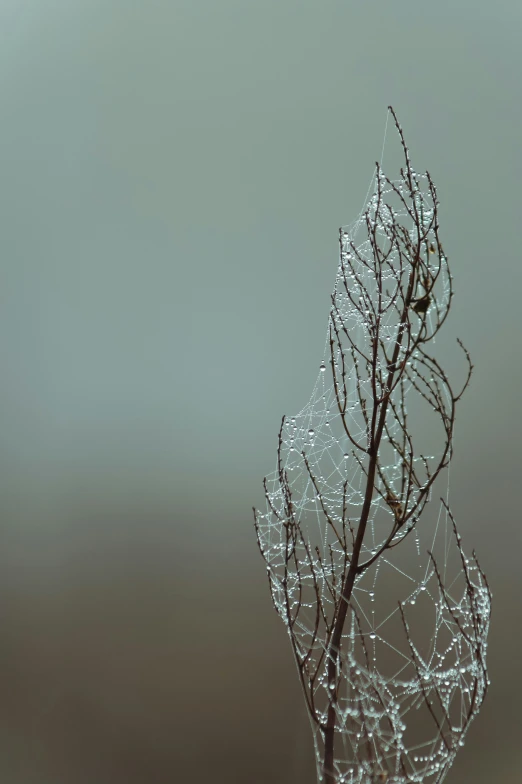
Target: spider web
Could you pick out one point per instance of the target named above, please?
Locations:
(412, 672)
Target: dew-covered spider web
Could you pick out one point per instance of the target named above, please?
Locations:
(411, 672)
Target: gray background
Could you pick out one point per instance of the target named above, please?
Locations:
(173, 176)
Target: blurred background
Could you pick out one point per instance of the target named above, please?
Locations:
(173, 176)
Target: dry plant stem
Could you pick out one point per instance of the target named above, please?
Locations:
(313, 588)
(378, 420)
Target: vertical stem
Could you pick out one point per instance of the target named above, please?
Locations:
(335, 644)
(329, 732)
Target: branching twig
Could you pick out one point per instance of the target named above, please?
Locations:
(331, 524)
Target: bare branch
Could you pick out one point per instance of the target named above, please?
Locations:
(352, 481)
